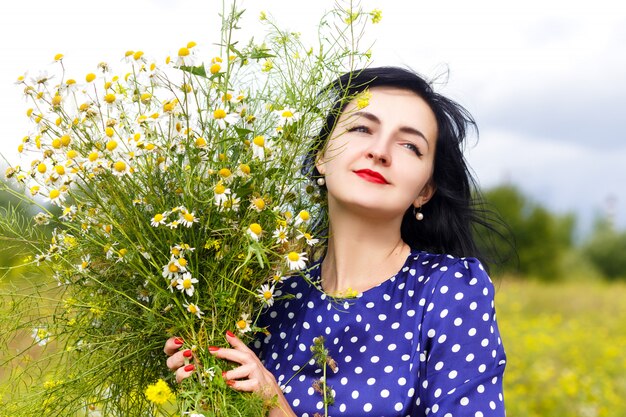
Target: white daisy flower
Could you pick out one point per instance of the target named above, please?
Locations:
(221, 193)
(296, 261)
(185, 284)
(309, 239)
(287, 116)
(266, 294)
(258, 147)
(302, 217)
(281, 235)
(120, 168)
(194, 309)
(57, 196)
(254, 231)
(159, 219)
(223, 118)
(243, 324)
(187, 218)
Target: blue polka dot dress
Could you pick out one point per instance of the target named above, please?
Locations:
(423, 342)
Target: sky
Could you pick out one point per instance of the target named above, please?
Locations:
(544, 79)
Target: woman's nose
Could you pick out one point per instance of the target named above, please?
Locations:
(379, 152)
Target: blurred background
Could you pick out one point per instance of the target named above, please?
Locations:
(545, 82)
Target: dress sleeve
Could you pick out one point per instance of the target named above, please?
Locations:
(462, 360)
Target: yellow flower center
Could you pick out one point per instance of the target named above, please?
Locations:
(259, 203)
(200, 142)
(119, 166)
(259, 141)
(173, 267)
(287, 114)
(182, 262)
(56, 143)
(215, 68)
(109, 131)
(242, 324)
(189, 217)
(93, 156)
(267, 295)
(224, 173)
(245, 168)
(111, 145)
(192, 308)
(187, 283)
(183, 51)
(158, 217)
(65, 140)
(54, 194)
(58, 57)
(304, 215)
(109, 98)
(71, 154)
(56, 100)
(256, 228)
(219, 114)
(219, 189)
(293, 256)
(42, 168)
(137, 55)
(90, 77)
(60, 169)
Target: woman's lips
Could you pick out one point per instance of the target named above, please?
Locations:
(371, 176)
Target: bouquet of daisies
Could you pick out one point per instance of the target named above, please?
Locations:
(177, 207)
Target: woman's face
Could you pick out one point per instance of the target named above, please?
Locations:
(380, 158)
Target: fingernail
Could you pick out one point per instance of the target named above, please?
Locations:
(179, 341)
(213, 348)
(230, 382)
(187, 353)
(189, 367)
(224, 374)
(229, 333)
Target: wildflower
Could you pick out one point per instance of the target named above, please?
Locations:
(254, 231)
(266, 294)
(287, 116)
(194, 309)
(223, 118)
(185, 284)
(85, 263)
(243, 170)
(41, 336)
(42, 219)
(221, 193)
(296, 261)
(68, 212)
(257, 204)
(303, 217)
(159, 393)
(363, 99)
(56, 197)
(308, 238)
(158, 219)
(280, 235)
(376, 16)
(258, 147)
(172, 269)
(243, 324)
(187, 218)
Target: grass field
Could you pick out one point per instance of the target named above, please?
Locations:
(565, 346)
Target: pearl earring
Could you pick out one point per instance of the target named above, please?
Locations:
(321, 181)
(419, 216)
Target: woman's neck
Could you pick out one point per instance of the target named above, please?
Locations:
(362, 253)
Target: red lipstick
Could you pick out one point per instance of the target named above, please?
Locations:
(371, 176)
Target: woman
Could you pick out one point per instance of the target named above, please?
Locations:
(421, 337)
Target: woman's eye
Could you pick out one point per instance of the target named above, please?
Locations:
(413, 148)
(362, 129)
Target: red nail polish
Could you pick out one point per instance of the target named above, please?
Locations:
(229, 333)
(230, 382)
(213, 348)
(187, 353)
(179, 341)
(224, 374)
(189, 367)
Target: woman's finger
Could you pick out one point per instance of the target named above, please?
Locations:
(179, 359)
(172, 345)
(184, 372)
(239, 372)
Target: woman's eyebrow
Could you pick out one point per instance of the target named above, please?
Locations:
(405, 129)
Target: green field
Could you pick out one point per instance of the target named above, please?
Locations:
(565, 345)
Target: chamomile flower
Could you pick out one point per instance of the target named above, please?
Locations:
(266, 294)
(85, 263)
(258, 147)
(287, 116)
(185, 284)
(187, 218)
(221, 193)
(296, 261)
(57, 196)
(243, 324)
(257, 204)
(194, 309)
(281, 235)
(120, 168)
(302, 217)
(254, 231)
(308, 238)
(68, 212)
(172, 270)
(159, 219)
(224, 118)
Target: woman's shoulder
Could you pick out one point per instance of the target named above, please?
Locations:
(439, 269)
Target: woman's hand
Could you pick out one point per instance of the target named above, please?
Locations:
(249, 376)
(179, 360)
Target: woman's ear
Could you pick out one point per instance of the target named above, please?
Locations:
(319, 163)
(425, 195)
